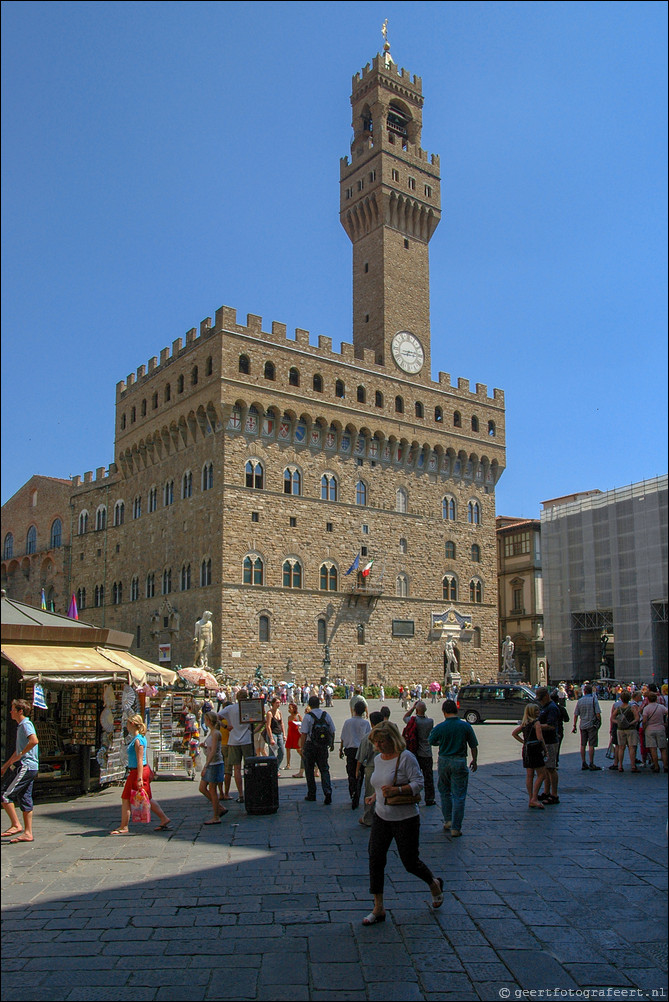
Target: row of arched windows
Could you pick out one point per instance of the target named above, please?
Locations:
(294, 379)
(254, 478)
(152, 582)
(167, 493)
(253, 573)
(55, 540)
(193, 376)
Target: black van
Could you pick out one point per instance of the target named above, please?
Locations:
(494, 702)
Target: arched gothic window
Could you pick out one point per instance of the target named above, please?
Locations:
(448, 508)
(475, 423)
(167, 581)
(361, 395)
(185, 577)
(474, 513)
(450, 587)
(253, 570)
(402, 586)
(150, 584)
(244, 364)
(254, 474)
(399, 405)
(31, 540)
(328, 577)
(100, 518)
(476, 553)
(457, 419)
(137, 507)
(205, 572)
(340, 390)
(83, 522)
(328, 487)
(81, 598)
(8, 548)
(117, 593)
(270, 372)
(450, 550)
(475, 590)
(401, 500)
(263, 629)
(134, 589)
(361, 493)
(56, 534)
(294, 376)
(292, 480)
(187, 485)
(119, 513)
(168, 493)
(318, 383)
(292, 573)
(207, 476)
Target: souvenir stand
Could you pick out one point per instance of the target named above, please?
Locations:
(166, 736)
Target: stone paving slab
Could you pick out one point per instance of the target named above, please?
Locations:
(265, 908)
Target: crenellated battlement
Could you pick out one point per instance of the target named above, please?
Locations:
(361, 148)
(391, 70)
(226, 323)
(102, 477)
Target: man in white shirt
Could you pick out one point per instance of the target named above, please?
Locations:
(240, 743)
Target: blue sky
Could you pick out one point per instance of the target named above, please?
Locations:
(163, 159)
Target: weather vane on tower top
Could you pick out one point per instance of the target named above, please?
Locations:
(387, 58)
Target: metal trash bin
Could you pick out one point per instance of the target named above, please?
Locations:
(261, 785)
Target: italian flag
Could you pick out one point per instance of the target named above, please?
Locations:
(367, 569)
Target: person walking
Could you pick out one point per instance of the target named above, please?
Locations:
(424, 727)
(530, 735)
(24, 763)
(352, 733)
(293, 739)
(397, 780)
(317, 734)
(453, 736)
(139, 777)
(653, 719)
(589, 718)
(240, 743)
(213, 771)
(276, 734)
(625, 718)
(367, 752)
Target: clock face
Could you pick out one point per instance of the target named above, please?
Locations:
(407, 351)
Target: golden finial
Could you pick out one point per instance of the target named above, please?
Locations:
(386, 44)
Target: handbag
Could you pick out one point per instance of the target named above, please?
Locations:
(140, 807)
(398, 799)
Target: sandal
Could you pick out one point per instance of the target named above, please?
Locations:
(373, 919)
(21, 838)
(120, 831)
(438, 899)
(216, 822)
(166, 827)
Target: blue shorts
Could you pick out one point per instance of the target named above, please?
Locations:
(19, 789)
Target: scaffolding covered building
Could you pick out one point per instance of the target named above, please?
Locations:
(605, 583)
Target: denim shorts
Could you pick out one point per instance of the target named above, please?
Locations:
(214, 773)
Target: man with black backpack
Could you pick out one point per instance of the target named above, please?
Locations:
(316, 743)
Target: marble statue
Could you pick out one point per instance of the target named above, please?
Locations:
(508, 648)
(202, 641)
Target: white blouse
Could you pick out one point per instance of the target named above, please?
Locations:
(408, 774)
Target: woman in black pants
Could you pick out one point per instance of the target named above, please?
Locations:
(396, 774)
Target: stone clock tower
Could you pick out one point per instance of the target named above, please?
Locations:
(390, 207)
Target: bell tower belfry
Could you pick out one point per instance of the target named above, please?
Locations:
(390, 205)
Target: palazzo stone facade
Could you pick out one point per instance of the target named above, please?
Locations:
(251, 468)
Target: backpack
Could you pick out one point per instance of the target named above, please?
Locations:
(410, 735)
(625, 719)
(320, 733)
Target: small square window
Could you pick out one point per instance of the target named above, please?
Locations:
(118, 547)
(293, 522)
(366, 318)
(99, 553)
(328, 528)
(406, 244)
(395, 175)
(363, 551)
(81, 556)
(358, 462)
(366, 267)
(365, 530)
(255, 516)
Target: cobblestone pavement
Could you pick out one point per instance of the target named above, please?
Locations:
(270, 908)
